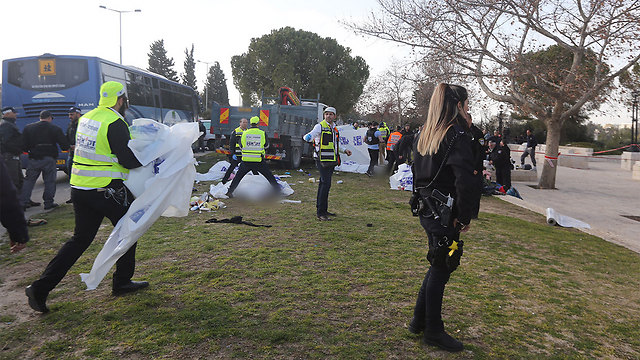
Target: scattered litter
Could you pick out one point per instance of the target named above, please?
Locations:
(300, 182)
(369, 225)
(339, 182)
(287, 173)
(284, 176)
(287, 201)
(206, 203)
(554, 218)
(312, 180)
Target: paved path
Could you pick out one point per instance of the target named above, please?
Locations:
(599, 196)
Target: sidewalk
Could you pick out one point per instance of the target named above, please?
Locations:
(599, 196)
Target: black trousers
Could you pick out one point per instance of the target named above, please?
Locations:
(373, 159)
(391, 162)
(90, 208)
(260, 167)
(427, 313)
(233, 165)
(324, 185)
(503, 176)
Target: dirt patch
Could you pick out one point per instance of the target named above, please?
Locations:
(13, 302)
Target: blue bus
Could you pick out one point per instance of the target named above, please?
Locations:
(58, 82)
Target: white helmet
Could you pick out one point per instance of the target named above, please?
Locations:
(330, 109)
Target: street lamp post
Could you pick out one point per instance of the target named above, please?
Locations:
(120, 12)
(634, 121)
(206, 99)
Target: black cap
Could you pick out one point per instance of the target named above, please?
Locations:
(8, 109)
(45, 114)
(75, 109)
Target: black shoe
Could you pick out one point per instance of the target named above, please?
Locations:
(369, 174)
(36, 303)
(443, 340)
(69, 201)
(323, 218)
(329, 214)
(33, 203)
(414, 327)
(229, 195)
(52, 206)
(128, 288)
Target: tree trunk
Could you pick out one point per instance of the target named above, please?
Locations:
(550, 163)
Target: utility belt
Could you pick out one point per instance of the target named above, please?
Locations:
(431, 203)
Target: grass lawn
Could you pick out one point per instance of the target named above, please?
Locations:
(305, 289)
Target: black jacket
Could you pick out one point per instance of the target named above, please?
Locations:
(404, 145)
(71, 132)
(42, 138)
(456, 177)
(478, 147)
(11, 214)
(501, 157)
(10, 137)
(531, 141)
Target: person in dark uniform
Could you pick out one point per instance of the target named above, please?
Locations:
(74, 115)
(11, 214)
(41, 140)
(530, 150)
(479, 149)
(102, 161)
(203, 130)
(254, 142)
(11, 147)
(235, 148)
(373, 139)
(443, 161)
(403, 147)
(500, 157)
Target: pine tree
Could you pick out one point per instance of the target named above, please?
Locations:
(216, 86)
(189, 76)
(159, 63)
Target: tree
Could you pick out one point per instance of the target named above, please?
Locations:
(489, 42)
(303, 61)
(159, 63)
(216, 86)
(189, 76)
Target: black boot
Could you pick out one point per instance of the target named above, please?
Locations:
(415, 327)
(131, 286)
(37, 302)
(442, 340)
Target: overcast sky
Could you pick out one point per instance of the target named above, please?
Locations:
(218, 29)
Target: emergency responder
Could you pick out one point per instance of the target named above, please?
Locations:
(372, 139)
(74, 115)
(235, 148)
(11, 214)
(326, 138)
(382, 146)
(253, 142)
(500, 158)
(479, 150)
(11, 147)
(102, 161)
(394, 137)
(443, 161)
(41, 140)
(403, 147)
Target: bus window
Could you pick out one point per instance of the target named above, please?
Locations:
(112, 73)
(26, 74)
(155, 83)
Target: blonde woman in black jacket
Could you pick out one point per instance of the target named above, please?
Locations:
(443, 169)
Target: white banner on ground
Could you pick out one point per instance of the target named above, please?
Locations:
(166, 188)
(555, 218)
(216, 172)
(402, 179)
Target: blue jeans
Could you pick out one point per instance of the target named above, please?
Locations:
(322, 201)
(46, 166)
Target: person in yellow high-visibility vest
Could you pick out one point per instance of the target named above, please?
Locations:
(254, 142)
(326, 138)
(235, 147)
(101, 163)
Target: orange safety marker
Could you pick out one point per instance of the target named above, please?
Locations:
(264, 118)
(224, 115)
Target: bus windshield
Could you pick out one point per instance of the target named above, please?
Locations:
(48, 74)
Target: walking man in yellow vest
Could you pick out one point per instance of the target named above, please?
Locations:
(235, 147)
(326, 138)
(254, 142)
(101, 163)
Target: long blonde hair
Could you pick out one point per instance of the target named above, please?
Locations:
(443, 110)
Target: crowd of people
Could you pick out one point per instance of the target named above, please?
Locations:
(448, 155)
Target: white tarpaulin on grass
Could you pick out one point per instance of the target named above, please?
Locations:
(402, 179)
(162, 187)
(216, 172)
(555, 218)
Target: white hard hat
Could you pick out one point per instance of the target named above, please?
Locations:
(330, 109)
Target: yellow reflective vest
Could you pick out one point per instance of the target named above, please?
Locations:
(238, 149)
(253, 141)
(94, 165)
(328, 145)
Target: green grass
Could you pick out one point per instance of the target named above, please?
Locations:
(341, 290)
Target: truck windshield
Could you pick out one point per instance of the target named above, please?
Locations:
(48, 74)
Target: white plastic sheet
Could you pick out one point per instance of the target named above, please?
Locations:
(216, 172)
(352, 139)
(252, 187)
(555, 218)
(402, 179)
(166, 192)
